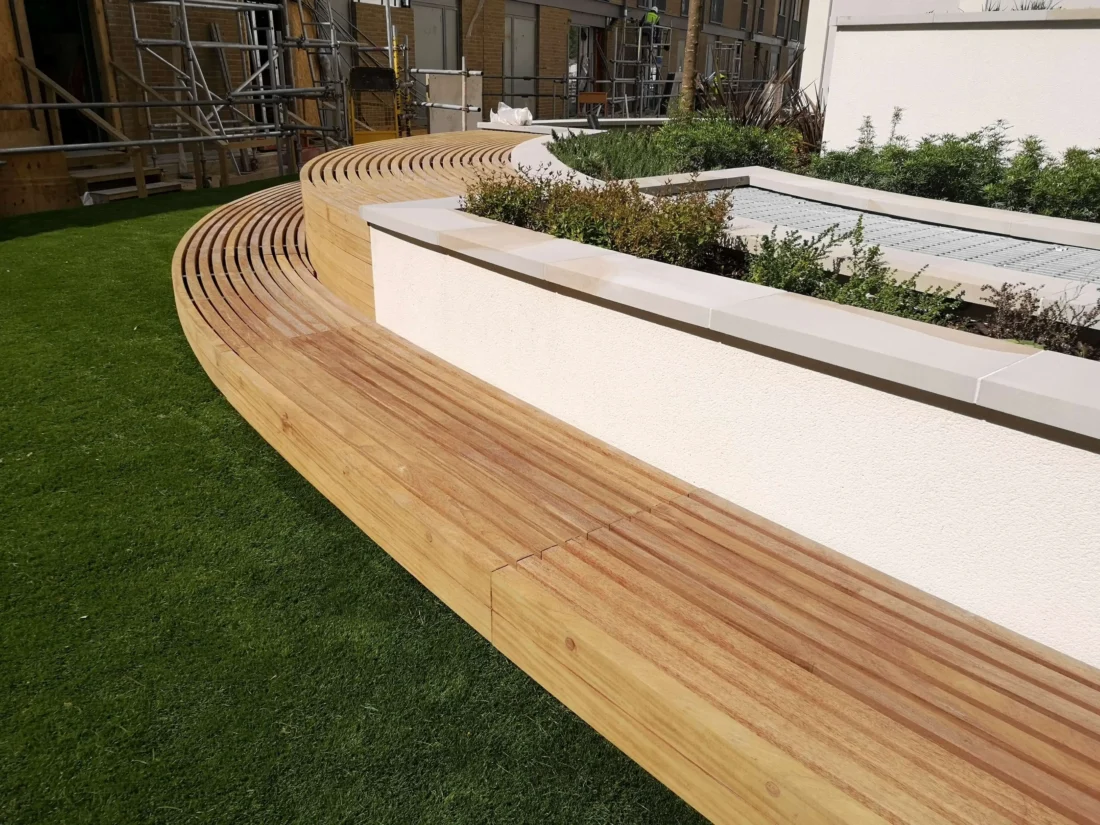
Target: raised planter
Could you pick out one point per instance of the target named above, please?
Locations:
(965, 466)
(930, 270)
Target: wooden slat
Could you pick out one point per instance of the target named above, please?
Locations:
(103, 58)
(764, 678)
(60, 90)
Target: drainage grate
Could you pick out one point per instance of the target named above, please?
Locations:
(1071, 262)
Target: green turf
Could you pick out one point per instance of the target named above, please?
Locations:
(188, 631)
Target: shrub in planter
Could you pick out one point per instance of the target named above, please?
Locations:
(975, 169)
(1069, 188)
(687, 143)
(796, 264)
(1020, 315)
(612, 155)
(1035, 181)
(1017, 183)
(944, 167)
(689, 230)
(710, 140)
(686, 230)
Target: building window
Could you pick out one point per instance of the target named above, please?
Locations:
(781, 18)
(758, 63)
(744, 15)
(717, 11)
(684, 7)
(760, 17)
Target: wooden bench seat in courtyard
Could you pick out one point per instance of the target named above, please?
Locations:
(762, 677)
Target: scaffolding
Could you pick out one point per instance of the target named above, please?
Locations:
(236, 77)
(639, 84)
(724, 79)
(282, 72)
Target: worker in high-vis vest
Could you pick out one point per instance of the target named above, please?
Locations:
(650, 21)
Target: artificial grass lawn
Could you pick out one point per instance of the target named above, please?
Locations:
(189, 632)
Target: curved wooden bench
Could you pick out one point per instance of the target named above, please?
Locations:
(336, 184)
(762, 677)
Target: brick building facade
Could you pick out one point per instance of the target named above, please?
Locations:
(769, 30)
(160, 22)
(511, 41)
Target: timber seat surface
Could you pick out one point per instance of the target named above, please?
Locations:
(762, 677)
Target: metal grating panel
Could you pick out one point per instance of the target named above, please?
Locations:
(1070, 262)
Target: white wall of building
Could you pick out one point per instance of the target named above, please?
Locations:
(997, 521)
(1007, 5)
(1038, 77)
(822, 13)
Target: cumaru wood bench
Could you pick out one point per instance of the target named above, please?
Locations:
(762, 677)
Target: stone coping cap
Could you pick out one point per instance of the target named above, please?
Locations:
(1048, 388)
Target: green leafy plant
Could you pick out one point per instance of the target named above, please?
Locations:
(686, 230)
(977, 169)
(797, 264)
(1019, 314)
(613, 155)
(1015, 188)
(712, 140)
(687, 143)
(1069, 188)
(943, 167)
(689, 230)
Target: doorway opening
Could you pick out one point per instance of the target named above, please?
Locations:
(63, 46)
(520, 51)
(435, 34)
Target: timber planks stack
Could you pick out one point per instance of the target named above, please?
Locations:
(762, 677)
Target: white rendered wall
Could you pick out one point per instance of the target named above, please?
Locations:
(1001, 523)
(959, 80)
(1007, 5)
(819, 32)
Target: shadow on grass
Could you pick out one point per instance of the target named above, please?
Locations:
(22, 226)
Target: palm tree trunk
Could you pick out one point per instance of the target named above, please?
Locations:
(691, 46)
